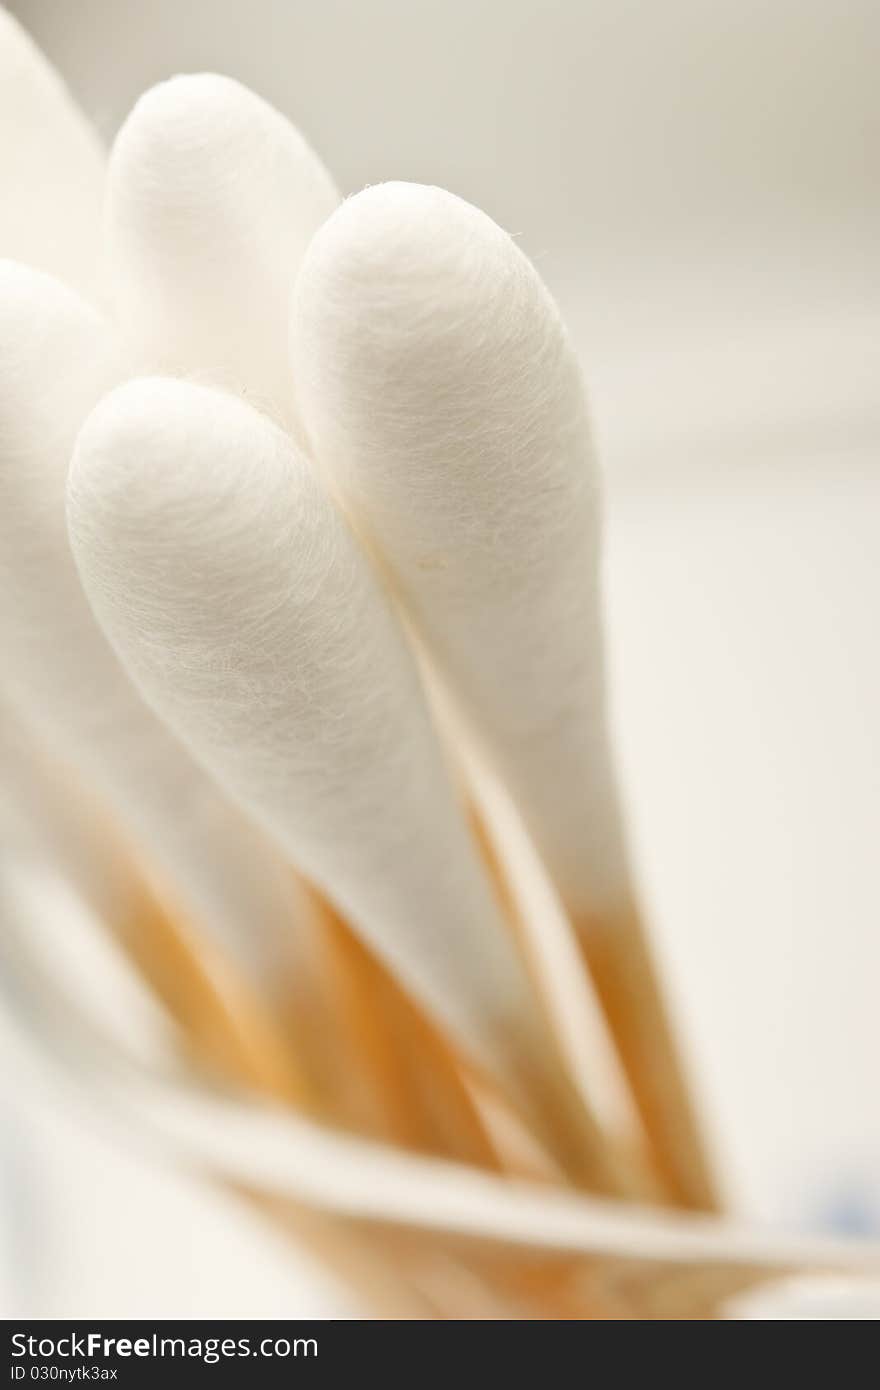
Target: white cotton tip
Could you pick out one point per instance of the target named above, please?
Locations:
(439, 391)
(235, 593)
(213, 197)
(57, 357)
(51, 168)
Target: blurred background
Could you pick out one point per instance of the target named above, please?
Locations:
(693, 182)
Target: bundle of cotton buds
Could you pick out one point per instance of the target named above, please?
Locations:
(300, 621)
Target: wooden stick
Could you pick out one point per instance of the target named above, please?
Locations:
(228, 1027)
(626, 980)
(630, 1161)
(232, 1034)
(395, 1058)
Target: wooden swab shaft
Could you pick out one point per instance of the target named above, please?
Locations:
(627, 984)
